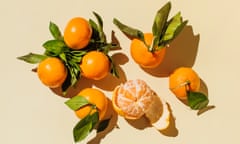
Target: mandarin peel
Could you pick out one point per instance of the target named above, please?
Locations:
(164, 121)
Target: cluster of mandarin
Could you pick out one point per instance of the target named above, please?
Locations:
(82, 50)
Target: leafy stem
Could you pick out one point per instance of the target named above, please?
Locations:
(163, 30)
(196, 100)
(88, 123)
(129, 31)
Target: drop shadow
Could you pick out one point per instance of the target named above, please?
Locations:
(204, 90)
(171, 130)
(182, 51)
(115, 41)
(143, 122)
(210, 107)
(140, 123)
(203, 87)
(112, 124)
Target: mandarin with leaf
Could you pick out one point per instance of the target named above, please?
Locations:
(148, 49)
(98, 102)
(142, 56)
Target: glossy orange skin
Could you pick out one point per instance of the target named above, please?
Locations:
(96, 97)
(179, 79)
(77, 33)
(95, 65)
(142, 56)
(52, 72)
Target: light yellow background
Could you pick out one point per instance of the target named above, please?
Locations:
(33, 114)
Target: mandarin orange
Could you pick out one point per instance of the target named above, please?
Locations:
(98, 100)
(95, 65)
(52, 72)
(141, 54)
(77, 33)
(184, 79)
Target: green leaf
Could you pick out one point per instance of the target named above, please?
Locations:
(78, 53)
(32, 58)
(85, 126)
(98, 33)
(103, 125)
(66, 85)
(63, 57)
(161, 19)
(132, 32)
(74, 69)
(113, 68)
(54, 47)
(76, 102)
(94, 119)
(82, 132)
(197, 100)
(99, 19)
(174, 27)
(55, 31)
(95, 31)
(159, 25)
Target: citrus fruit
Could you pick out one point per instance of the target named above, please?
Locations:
(95, 97)
(142, 56)
(135, 99)
(95, 65)
(184, 79)
(52, 72)
(77, 33)
(132, 99)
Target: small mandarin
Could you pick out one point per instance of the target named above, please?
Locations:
(184, 79)
(95, 65)
(77, 33)
(52, 72)
(142, 56)
(95, 97)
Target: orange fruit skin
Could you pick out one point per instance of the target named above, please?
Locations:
(178, 80)
(142, 56)
(77, 33)
(96, 97)
(52, 72)
(95, 65)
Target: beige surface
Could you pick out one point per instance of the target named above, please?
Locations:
(33, 114)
